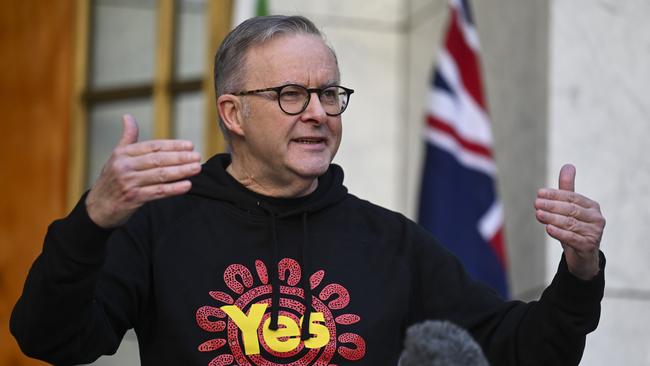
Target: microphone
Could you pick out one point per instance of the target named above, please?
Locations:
(440, 343)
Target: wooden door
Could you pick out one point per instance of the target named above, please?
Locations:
(36, 66)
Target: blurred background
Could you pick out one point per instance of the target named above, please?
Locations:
(566, 81)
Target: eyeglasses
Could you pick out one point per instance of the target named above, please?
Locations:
(293, 99)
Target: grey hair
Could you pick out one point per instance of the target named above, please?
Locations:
(229, 61)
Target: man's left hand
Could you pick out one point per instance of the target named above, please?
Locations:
(574, 220)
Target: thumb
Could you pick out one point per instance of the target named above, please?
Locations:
(129, 131)
(567, 179)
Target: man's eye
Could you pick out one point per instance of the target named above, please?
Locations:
(290, 94)
(330, 95)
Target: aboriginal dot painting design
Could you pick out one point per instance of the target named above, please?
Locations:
(251, 292)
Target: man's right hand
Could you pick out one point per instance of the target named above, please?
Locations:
(138, 172)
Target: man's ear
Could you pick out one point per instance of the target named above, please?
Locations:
(230, 109)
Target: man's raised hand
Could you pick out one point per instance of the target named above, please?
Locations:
(574, 220)
(138, 172)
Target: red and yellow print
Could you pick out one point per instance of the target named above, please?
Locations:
(243, 320)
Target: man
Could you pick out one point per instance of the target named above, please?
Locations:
(223, 270)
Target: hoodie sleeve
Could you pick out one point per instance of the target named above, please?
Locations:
(550, 331)
(71, 311)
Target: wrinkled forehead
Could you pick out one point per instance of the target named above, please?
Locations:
(300, 58)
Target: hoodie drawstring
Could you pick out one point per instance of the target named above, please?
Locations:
(275, 286)
(304, 333)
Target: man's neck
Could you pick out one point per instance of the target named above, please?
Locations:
(269, 187)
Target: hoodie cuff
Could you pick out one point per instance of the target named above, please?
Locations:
(78, 237)
(573, 290)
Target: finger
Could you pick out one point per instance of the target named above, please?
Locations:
(567, 223)
(129, 131)
(150, 146)
(154, 192)
(164, 175)
(567, 178)
(570, 239)
(163, 159)
(566, 196)
(561, 221)
(568, 209)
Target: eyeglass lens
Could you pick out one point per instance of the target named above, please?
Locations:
(294, 99)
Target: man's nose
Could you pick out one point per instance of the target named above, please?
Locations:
(314, 111)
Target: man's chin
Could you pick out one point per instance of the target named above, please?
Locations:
(312, 171)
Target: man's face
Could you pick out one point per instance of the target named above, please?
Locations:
(278, 146)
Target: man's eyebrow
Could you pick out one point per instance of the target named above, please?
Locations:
(330, 83)
(326, 84)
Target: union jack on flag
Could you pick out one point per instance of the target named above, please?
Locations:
(458, 201)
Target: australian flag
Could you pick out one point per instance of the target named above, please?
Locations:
(458, 200)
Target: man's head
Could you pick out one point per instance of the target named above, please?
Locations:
(229, 61)
(271, 138)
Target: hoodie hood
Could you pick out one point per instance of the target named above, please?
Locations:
(214, 182)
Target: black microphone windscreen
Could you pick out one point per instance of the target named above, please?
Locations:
(440, 343)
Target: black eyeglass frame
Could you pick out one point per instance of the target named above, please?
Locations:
(318, 91)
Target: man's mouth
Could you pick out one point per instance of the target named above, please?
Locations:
(310, 140)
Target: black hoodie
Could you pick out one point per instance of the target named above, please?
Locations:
(204, 277)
